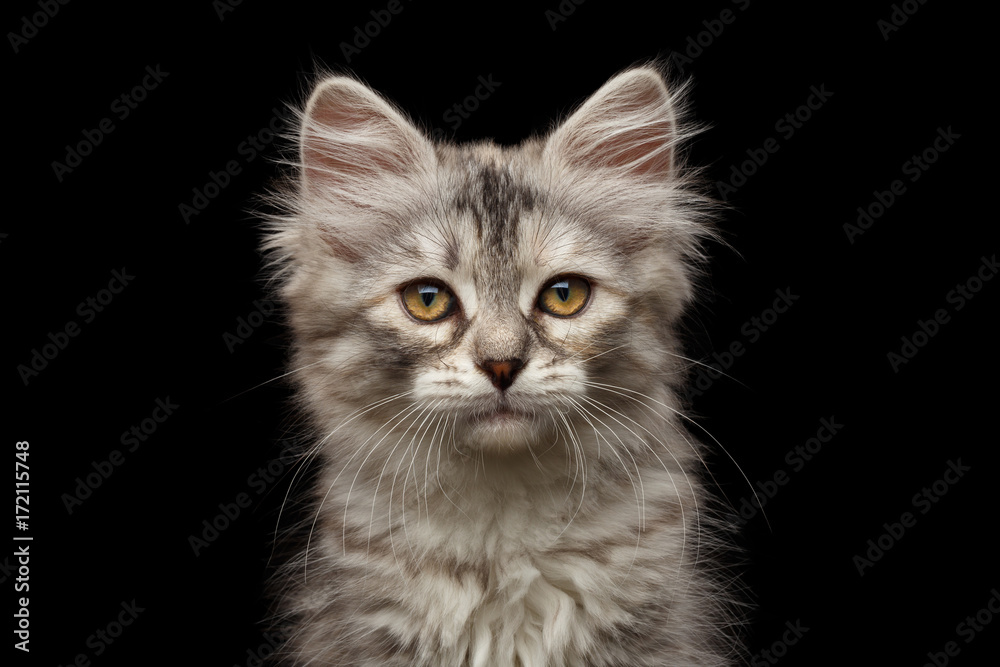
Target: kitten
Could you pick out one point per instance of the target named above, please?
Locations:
(485, 346)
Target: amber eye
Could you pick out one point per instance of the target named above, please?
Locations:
(566, 296)
(428, 302)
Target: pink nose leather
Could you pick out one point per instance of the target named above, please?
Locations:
(501, 373)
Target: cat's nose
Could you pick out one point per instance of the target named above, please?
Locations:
(501, 373)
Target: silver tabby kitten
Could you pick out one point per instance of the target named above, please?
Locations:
(485, 346)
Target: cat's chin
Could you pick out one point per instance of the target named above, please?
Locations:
(502, 430)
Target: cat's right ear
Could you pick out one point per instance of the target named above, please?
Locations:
(359, 157)
(350, 136)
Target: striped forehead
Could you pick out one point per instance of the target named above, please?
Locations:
(494, 199)
(493, 202)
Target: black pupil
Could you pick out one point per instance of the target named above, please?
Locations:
(428, 297)
(562, 293)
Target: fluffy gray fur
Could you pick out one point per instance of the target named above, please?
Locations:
(558, 520)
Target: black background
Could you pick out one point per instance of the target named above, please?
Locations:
(826, 357)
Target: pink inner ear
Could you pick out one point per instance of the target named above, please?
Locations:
(628, 126)
(349, 138)
(360, 159)
(644, 150)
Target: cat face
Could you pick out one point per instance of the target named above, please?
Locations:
(499, 318)
(497, 289)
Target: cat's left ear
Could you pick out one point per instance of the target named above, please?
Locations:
(627, 128)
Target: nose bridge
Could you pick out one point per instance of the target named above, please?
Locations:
(501, 335)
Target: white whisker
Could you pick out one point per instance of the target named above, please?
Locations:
(616, 389)
(708, 366)
(313, 451)
(274, 379)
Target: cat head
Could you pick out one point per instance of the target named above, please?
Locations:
(496, 291)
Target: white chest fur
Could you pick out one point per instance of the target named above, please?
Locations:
(534, 582)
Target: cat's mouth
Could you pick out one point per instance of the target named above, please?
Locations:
(499, 416)
(502, 426)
